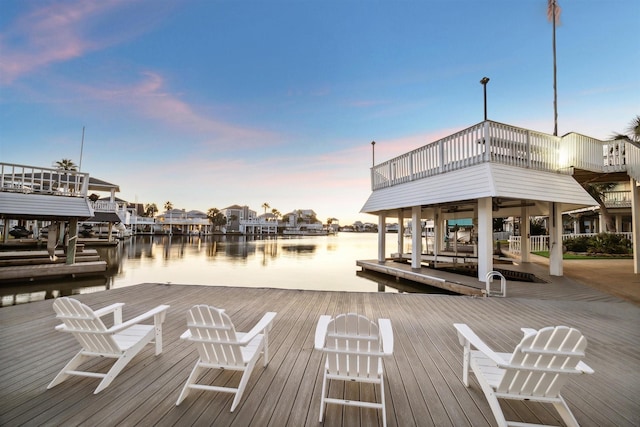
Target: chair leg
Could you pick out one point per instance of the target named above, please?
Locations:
(158, 338)
(76, 361)
(565, 413)
(322, 397)
(265, 348)
(243, 383)
(195, 372)
(492, 399)
(117, 367)
(466, 355)
(384, 410)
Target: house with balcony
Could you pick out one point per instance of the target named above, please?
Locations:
(494, 170)
(31, 195)
(183, 222)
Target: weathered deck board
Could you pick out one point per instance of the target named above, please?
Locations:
(422, 385)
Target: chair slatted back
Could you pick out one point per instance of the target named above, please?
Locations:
(85, 326)
(353, 346)
(541, 362)
(214, 335)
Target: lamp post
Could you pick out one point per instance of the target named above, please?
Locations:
(373, 153)
(484, 82)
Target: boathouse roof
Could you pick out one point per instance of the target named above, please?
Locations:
(484, 180)
(42, 206)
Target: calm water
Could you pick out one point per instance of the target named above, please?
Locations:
(312, 263)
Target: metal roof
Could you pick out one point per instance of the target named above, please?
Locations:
(46, 207)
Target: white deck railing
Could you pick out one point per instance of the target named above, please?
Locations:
(34, 179)
(541, 243)
(496, 142)
(617, 199)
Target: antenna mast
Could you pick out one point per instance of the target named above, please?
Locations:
(81, 148)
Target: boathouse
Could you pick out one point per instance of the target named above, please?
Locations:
(493, 170)
(31, 193)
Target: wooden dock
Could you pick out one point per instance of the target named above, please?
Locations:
(423, 385)
(22, 266)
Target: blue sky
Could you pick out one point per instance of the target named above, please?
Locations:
(213, 103)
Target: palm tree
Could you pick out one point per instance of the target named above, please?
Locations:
(633, 133)
(266, 206)
(553, 15)
(216, 217)
(276, 213)
(66, 165)
(168, 206)
(598, 191)
(150, 209)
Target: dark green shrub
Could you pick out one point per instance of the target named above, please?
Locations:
(605, 243)
(577, 244)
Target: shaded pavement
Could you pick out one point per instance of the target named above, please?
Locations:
(612, 276)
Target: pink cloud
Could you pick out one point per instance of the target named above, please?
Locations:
(150, 98)
(56, 32)
(46, 35)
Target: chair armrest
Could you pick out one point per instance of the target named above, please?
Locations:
(159, 312)
(584, 368)
(468, 337)
(185, 335)
(115, 308)
(528, 331)
(386, 332)
(262, 325)
(321, 331)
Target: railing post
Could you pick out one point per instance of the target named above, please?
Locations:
(487, 141)
(411, 166)
(528, 148)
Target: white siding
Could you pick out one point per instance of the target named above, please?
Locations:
(17, 205)
(484, 180)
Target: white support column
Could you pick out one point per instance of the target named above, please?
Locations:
(382, 242)
(635, 224)
(555, 240)
(576, 226)
(618, 220)
(525, 231)
(485, 237)
(437, 234)
(400, 232)
(416, 237)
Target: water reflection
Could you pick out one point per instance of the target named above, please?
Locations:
(313, 263)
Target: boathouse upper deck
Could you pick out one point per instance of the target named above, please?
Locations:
(25, 179)
(495, 142)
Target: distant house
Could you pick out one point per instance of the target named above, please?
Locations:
(235, 214)
(179, 221)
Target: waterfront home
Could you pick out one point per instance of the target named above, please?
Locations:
(493, 170)
(179, 221)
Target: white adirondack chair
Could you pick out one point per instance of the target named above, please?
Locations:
(221, 347)
(354, 347)
(122, 341)
(537, 369)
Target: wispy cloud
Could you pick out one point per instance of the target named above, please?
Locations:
(58, 31)
(49, 34)
(151, 98)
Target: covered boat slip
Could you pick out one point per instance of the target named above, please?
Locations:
(423, 384)
(492, 170)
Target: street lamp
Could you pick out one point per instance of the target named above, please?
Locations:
(484, 82)
(373, 153)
